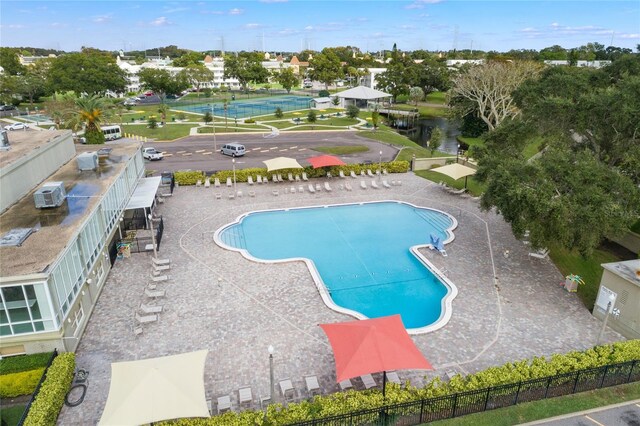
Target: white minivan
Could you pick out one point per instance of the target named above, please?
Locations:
(233, 149)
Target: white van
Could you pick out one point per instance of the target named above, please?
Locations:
(233, 149)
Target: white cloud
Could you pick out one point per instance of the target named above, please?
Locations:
(407, 27)
(628, 36)
(419, 4)
(287, 32)
(99, 19)
(252, 26)
(176, 9)
(308, 28)
(160, 22)
(236, 11)
(212, 12)
(58, 25)
(13, 26)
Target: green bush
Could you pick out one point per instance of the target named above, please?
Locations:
(22, 383)
(188, 178)
(48, 403)
(15, 364)
(249, 121)
(351, 401)
(402, 99)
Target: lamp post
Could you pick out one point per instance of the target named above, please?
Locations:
(380, 167)
(153, 237)
(271, 381)
(213, 123)
(233, 161)
(457, 153)
(120, 227)
(612, 300)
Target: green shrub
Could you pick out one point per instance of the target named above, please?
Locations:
(22, 383)
(351, 401)
(402, 99)
(15, 364)
(47, 405)
(188, 178)
(249, 121)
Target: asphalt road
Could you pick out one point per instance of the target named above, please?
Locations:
(625, 414)
(198, 152)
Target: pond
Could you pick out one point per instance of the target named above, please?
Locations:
(424, 126)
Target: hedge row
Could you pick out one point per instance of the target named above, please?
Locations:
(16, 364)
(242, 175)
(48, 403)
(22, 383)
(350, 401)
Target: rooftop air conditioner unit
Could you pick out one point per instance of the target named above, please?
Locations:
(51, 194)
(87, 161)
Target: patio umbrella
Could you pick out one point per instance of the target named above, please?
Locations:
(280, 163)
(456, 171)
(373, 345)
(156, 389)
(325, 161)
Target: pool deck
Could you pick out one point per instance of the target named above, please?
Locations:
(507, 309)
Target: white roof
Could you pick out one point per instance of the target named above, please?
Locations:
(145, 193)
(363, 92)
(321, 100)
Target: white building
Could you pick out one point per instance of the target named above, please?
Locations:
(587, 64)
(55, 260)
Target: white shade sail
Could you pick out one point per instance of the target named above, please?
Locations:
(156, 389)
(455, 171)
(281, 163)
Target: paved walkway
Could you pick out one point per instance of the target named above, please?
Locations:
(507, 309)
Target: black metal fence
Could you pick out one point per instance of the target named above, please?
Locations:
(460, 404)
(35, 393)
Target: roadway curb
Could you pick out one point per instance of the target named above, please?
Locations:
(581, 413)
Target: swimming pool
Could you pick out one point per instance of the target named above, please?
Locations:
(363, 257)
(252, 108)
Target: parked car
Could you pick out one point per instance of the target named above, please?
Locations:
(16, 126)
(8, 108)
(149, 93)
(151, 154)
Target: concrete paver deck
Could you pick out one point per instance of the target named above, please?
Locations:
(508, 308)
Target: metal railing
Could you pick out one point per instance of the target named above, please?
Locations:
(35, 393)
(460, 404)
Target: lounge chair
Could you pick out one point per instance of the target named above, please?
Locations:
(384, 172)
(250, 180)
(154, 293)
(199, 183)
(245, 396)
(342, 174)
(207, 183)
(301, 189)
(374, 184)
(218, 195)
(392, 376)
(369, 173)
(160, 262)
(287, 390)
(286, 190)
(224, 403)
(304, 176)
(259, 179)
(274, 178)
(216, 182)
(293, 189)
(327, 186)
(239, 194)
(161, 268)
(297, 178)
(150, 309)
(362, 173)
(353, 174)
(280, 178)
(386, 184)
(318, 187)
(229, 183)
(144, 319)
(311, 189)
(290, 177)
(275, 192)
(368, 382)
(160, 278)
(313, 387)
(363, 184)
(540, 254)
(348, 187)
(329, 175)
(346, 385)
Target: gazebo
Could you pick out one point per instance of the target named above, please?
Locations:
(360, 96)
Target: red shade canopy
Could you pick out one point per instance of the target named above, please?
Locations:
(325, 161)
(374, 345)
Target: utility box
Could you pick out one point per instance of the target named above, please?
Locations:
(52, 194)
(87, 161)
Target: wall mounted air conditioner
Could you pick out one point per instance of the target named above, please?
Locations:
(52, 194)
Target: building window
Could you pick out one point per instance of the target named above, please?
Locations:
(24, 309)
(77, 320)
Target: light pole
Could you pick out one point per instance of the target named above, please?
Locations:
(233, 161)
(612, 300)
(120, 227)
(213, 123)
(153, 237)
(380, 166)
(457, 153)
(271, 381)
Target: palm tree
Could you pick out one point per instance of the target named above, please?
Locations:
(90, 112)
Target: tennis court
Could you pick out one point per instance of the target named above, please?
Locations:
(245, 109)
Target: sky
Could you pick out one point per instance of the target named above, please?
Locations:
(294, 25)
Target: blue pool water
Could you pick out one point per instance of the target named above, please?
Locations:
(252, 108)
(361, 252)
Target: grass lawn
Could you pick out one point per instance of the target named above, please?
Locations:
(537, 410)
(333, 122)
(166, 133)
(220, 128)
(471, 141)
(423, 110)
(532, 148)
(341, 150)
(302, 114)
(570, 262)
(473, 187)
(12, 415)
(138, 112)
(437, 98)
